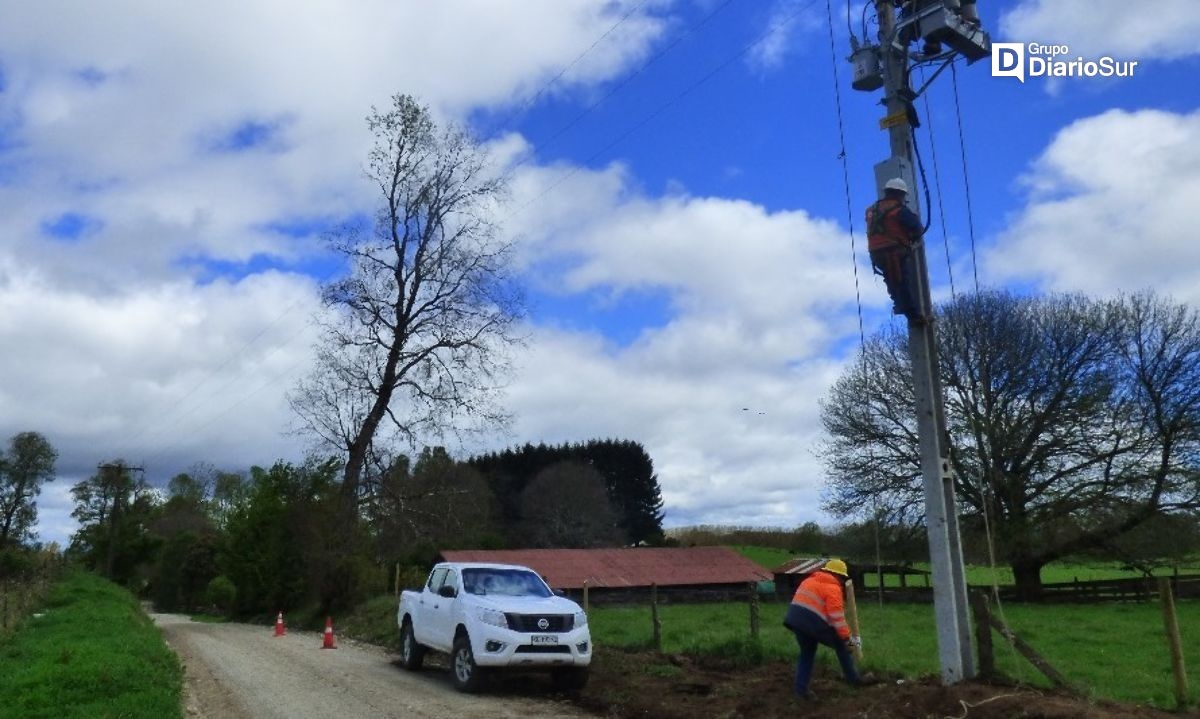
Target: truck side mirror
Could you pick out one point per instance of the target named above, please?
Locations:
(447, 591)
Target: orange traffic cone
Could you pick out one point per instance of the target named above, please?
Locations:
(328, 634)
(280, 629)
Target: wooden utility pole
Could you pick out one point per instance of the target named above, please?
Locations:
(121, 485)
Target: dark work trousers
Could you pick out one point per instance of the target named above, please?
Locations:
(899, 274)
(811, 630)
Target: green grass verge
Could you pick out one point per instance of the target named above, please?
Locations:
(373, 621)
(93, 654)
(1115, 651)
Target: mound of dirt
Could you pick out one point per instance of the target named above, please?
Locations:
(641, 684)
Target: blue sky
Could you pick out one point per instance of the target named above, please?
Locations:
(676, 198)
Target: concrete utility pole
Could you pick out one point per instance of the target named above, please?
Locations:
(932, 20)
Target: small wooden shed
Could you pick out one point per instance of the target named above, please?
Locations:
(789, 574)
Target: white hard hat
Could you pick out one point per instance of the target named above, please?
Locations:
(896, 184)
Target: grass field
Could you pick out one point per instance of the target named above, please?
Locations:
(769, 558)
(1117, 651)
(1114, 651)
(92, 654)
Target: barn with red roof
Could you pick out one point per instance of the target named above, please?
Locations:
(627, 573)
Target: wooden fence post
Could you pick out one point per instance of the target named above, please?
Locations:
(753, 611)
(397, 582)
(654, 618)
(983, 633)
(585, 596)
(852, 617)
(1171, 620)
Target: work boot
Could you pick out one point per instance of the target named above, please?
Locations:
(807, 696)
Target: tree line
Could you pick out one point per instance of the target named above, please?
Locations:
(272, 539)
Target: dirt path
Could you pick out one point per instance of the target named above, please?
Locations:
(242, 671)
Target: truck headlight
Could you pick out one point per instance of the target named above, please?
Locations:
(493, 617)
(580, 619)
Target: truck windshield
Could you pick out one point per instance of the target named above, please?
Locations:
(506, 582)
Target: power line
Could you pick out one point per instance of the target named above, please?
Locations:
(161, 429)
(837, 93)
(937, 181)
(548, 141)
(569, 66)
(620, 138)
(584, 54)
(665, 106)
(962, 145)
(178, 403)
(279, 377)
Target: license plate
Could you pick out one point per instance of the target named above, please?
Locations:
(543, 639)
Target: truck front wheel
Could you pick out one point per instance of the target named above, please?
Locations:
(412, 654)
(468, 677)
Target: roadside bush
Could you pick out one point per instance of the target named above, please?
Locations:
(221, 593)
(413, 576)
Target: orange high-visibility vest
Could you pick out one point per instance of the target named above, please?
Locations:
(821, 593)
(884, 230)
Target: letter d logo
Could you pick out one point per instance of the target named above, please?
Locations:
(1008, 60)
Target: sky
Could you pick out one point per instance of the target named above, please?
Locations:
(693, 269)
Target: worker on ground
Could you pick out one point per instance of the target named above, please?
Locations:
(892, 231)
(817, 616)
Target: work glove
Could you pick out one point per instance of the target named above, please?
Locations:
(854, 642)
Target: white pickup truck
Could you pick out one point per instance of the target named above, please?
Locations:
(490, 616)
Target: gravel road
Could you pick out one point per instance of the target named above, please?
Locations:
(242, 671)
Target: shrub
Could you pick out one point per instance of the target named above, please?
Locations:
(221, 593)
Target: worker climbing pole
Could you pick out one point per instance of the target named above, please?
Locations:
(912, 32)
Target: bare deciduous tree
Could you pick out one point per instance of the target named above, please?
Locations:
(415, 342)
(1073, 421)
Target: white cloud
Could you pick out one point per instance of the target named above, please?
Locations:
(1111, 207)
(120, 116)
(716, 462)
(116, 113)
(783, 34)
(117, 344)
(1160, 29)
(724, 394)
(162, 376)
